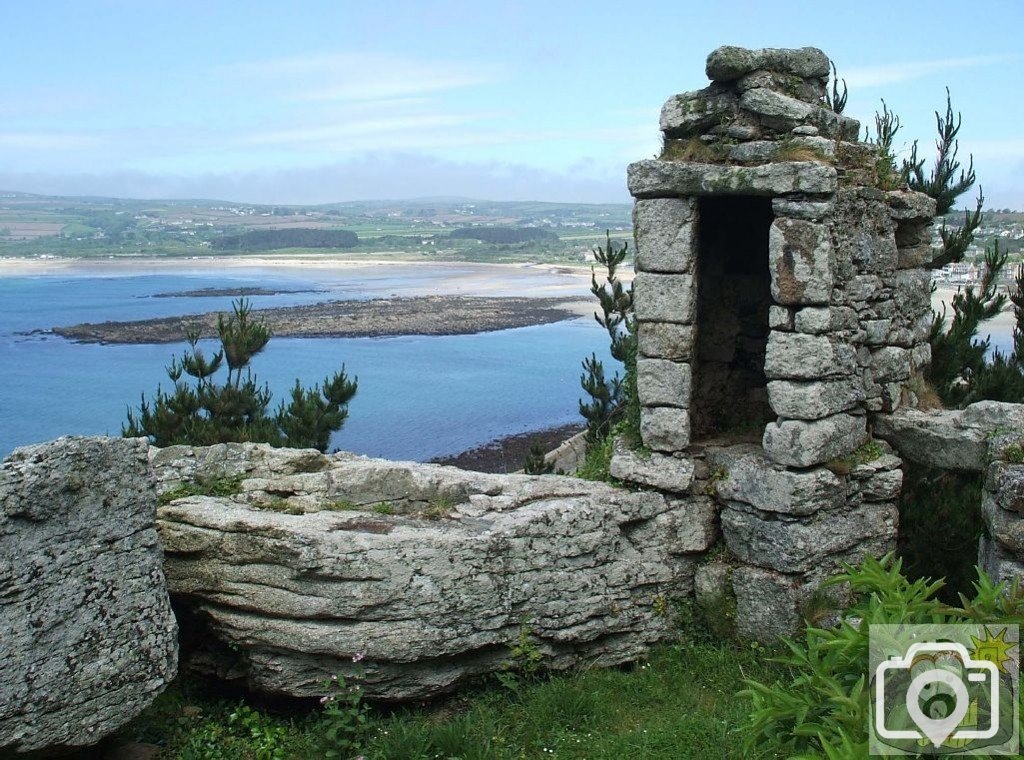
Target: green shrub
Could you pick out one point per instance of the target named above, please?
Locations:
(940, 524)
(820, 708)
(226, 486)
(202, 412)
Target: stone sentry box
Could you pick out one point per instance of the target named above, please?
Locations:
(782, 301)
(778, 288)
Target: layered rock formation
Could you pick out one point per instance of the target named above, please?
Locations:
(87, 636)
(426, 574)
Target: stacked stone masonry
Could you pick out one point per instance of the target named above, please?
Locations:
(796, 341)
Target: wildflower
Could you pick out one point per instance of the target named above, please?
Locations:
(358, 656)
(325, 699)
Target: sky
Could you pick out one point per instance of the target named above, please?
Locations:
(315, 101)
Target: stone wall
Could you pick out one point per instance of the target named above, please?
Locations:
(782, 297)
(847, 314)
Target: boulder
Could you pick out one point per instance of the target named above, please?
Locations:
(88, 637)
(427, 591)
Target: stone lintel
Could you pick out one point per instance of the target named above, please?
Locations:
(653, 178)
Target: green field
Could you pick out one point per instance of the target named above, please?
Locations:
(32, 226)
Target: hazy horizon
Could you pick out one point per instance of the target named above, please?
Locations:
(521, 102)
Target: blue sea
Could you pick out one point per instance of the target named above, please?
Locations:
(419, 397)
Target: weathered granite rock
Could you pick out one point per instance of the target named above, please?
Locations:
(663, 382)
(800, 443)
(784, 113)
(907, 205)
(813, 400)
(935, 439)
(664, 298)
(671, 179)
(752, 478)
(799, 258)
(666, 473)
(665, 428)
(729, 62)
(818, 320)
(775, 542)
(431, 596)
(693, 112)
(796, 356)
(665, 340)
(665, 240)
(811, 211)
(87, 636)
(766, 603)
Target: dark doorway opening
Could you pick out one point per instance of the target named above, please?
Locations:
(734, 294)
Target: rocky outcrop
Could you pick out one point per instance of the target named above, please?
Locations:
(956, 439)
(424, 573)
(87, 636)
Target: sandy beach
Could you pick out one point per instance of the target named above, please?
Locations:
(1002, 323)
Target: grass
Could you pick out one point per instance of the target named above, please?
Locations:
(679, 703)
(204, 487)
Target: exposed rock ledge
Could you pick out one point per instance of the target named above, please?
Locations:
(429, 571)
(426, 315)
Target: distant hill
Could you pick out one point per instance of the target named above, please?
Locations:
(503, 235)
(301, 237)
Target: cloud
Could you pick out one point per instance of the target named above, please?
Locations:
(331, 77)
(395, 176)
(892, 73)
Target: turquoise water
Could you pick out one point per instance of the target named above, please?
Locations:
(419, 397)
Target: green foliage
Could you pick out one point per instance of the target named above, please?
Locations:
(612, 399)
(678, 703)
(345, 722)
(1014, 454)
(942, 183)
(940, 523)
(535, 463)
(300, 237)
(597, 461)
(524, 663)
(836, 100)
(959, 371)
(887, 175)
(820, 708)
(204, 487)
(202, 412)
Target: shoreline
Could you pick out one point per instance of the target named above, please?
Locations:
(508, 453)
(13, 266)
(382, 317)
